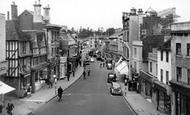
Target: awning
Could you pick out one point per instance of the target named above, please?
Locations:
(122, 68)
(4, 88)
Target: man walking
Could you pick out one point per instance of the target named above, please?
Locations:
(60, 92)
(68, 76)
(88, 71)
(84, 74)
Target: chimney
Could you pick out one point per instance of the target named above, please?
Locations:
(133, 11)
(14, 12)
(47, 14)
(140, 11)
(8, 15)
(37, 12)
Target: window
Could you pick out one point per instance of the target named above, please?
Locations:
(135, 52)
(188, 49)
(188, 76)
(151, 67)
(161, 55)
(178, 48)
(135, 66)
(161, 75)
(178, 72)
(167, 56)
(167, 77)
(156, 69)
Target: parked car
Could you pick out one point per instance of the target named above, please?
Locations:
(109, 66)
(111, 77)
(115, 89)
(100, 59)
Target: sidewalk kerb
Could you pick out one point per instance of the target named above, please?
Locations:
(65, 88)
(130, 106)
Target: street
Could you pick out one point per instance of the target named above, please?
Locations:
(88, 97)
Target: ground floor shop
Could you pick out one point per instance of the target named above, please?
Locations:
(162, 97)
(145, 84)
(180, 98)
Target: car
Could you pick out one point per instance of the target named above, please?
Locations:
(115, 89)
(111, 77)
(109, 66)
(100, 59)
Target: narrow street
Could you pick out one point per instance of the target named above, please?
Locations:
(88, 97)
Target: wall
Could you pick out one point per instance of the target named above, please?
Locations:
(2, 37)
(165, 66)
(26, 21)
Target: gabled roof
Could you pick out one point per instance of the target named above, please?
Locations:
(13, 32)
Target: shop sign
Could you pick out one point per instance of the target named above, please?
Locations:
(63, 59)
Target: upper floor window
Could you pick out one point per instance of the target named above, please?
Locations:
(161, 75)
(188, 76)
(161, 55)
(167, 77)
(178, 73)
(167, 56)
(178, 48)
(151, 67)
(188, 49)
(135, 52)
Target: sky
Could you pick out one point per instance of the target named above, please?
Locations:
(96, 13)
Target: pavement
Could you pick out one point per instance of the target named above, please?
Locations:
(27, 105)
(138, 103)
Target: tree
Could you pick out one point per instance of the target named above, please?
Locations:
(110, 31)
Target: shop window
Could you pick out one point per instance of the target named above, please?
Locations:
(178, 48)
(161, 101)
(161, 75)
(179, 74)
(188, 76)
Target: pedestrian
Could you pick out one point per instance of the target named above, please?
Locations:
(103, 64)
(9, 108)
(100, 65)
(1, 107)
(68, 77)
(84, 74)
(80, 63)
(73, 73)
(88, 71)
(60, 93)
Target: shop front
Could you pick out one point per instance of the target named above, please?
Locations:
(181, 98)
(39, 76)
(163, 97)
(145, 84)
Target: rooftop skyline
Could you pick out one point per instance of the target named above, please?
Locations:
(96, 13)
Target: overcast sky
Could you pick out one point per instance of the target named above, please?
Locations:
(96, 13)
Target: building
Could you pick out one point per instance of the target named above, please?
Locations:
(3, 62)
(131, 26)
(164, 75)
(18, 55)
(52, 33)
(180, 83)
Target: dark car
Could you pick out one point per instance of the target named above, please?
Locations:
(100, 59)
(111, 77)
(115, 89)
